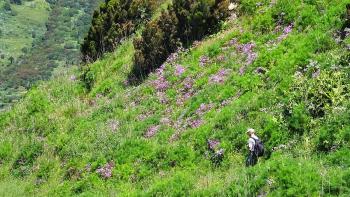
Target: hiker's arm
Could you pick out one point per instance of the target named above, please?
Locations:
(250, 145)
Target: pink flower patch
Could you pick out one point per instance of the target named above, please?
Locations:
(203, 108)
(219, 77)
(153, 130)
(106, 170)
(179, 70)
(195, 123)
(160, 84)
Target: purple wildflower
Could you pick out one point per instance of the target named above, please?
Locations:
(160, 71)
(179, 70)
(221, 58)
(142, 117)
(172, 58)
(151, 131)
(162, 97)
(247, 49)
(187, 95)
(106, 170)
(195, 123)
(165, 121)
(233, 42)
(203, 60)
(188, 83)
(203, 108)
(225, 102)
(161, 84)
(219, 77)
(180, 101)
(286, 31)
(212, 144)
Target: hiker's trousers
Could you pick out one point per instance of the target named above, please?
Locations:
(252, 159)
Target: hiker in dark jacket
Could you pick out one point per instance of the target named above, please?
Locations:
(252, 157)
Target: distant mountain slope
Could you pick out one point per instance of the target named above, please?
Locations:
(280, 67)
(58, 45)
(19, 26)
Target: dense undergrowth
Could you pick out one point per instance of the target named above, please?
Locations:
(281, 67)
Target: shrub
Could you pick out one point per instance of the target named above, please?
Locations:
(324, 92)
(198, 18)
(111, 23)
(248, 6)
(333, 133)
(298, 119)
(156, 43)
(25, 160)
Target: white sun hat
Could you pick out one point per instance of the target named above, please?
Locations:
(250, 130)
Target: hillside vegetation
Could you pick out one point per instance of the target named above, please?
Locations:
(38, 36)
(281, 67)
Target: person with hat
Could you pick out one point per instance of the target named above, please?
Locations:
(252, 157)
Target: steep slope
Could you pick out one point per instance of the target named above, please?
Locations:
(281, 67)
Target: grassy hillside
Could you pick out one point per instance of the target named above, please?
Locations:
(281, 67)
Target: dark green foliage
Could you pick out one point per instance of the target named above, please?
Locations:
(298, 119)
(114, 21)
(334, 132)
(87, 78)
(18, 2)
(24, 161)
(346, 22)
(7, 6)
(158, 40)
(340, 157)
(185, 21)
(198, 18)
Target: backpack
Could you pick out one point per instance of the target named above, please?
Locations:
(259, 148)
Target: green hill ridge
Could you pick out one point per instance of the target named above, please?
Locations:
(280, 67)
(37, 36)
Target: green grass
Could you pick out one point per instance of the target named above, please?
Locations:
(54, 140)
(17, 30)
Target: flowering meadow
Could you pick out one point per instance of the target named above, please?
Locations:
(280, 67)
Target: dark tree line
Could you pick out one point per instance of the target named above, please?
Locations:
(114, 21)
(184, 22)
